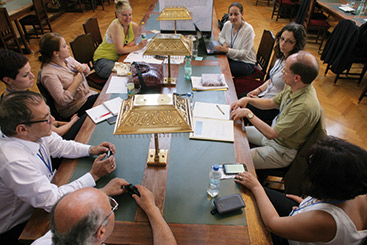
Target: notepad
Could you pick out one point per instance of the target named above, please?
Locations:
(104, 111)
(211, 122)
(209, 82)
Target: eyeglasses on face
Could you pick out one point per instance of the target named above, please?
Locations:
(114, 206)
(48, 120)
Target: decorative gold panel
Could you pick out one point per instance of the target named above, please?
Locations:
(169, 44)
(154, 113)
(175, 13)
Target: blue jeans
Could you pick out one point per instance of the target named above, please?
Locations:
(104, 67)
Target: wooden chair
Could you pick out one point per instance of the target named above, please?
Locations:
(346, 46)
(293, 175)
(91, 26)
(264, 1)
(92, 2)
(39, 21)
(319, 25)
(83, 51)
(263, 55)
(7, 33)
(363, 94)
(281, 5)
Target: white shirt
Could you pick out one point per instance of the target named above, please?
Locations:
(243, 43)
(25, 180)
(46, 239)
(346, 231)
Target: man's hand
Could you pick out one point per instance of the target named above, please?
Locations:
(253, 93)
(114, 187)
(146, 199)
(239, 113)
(102, 167)
(239, 103)
(103, 148)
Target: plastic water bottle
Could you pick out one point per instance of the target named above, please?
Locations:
(188, 69)
(190, 96)
(360, 8)
(143, 31)
(130, 85)
(214, 181)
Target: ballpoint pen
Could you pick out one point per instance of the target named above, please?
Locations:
(220, 109)
(108, 113)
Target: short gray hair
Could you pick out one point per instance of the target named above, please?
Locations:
(81, 233)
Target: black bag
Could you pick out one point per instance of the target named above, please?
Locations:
(221, 22)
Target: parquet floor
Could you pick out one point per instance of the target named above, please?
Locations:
(345, 118)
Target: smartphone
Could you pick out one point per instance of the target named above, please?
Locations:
(234, 168)
(112, 120)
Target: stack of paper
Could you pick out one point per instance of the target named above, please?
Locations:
(106, 110)
(212, 122)
(346, 8)
(209, 82)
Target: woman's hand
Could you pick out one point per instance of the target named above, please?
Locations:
(221, 48)
(142, 44)
(248, 180)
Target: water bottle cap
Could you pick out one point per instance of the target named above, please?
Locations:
(189, 94)
(129, 73)
(142, 23)
(215, 167)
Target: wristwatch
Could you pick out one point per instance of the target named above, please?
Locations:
(250, 115)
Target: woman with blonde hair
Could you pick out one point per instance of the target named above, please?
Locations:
(121, 38)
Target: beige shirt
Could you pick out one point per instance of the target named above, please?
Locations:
(57, 80)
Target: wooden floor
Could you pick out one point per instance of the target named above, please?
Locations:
(345, 118)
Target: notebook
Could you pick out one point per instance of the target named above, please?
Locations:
(207, 44)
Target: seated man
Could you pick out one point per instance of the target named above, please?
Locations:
(86, 216)
(299, 112)
(26, 145)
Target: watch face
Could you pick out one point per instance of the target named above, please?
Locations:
(250, 115)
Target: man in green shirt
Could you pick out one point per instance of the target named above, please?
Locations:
(299, 112)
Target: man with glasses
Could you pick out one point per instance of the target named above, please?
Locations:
(299, 112)
(26, 147)
(86, 216)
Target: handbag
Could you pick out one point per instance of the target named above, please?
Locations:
(146, 76)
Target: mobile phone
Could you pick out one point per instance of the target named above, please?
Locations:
(228, 204)
(108, 154)
(234, 168)
(112, 120)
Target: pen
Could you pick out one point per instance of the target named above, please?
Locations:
(220, 109)
(108, 113)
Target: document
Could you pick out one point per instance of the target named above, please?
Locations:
(201, 83)
(117, 85)
(211, 122)
(104, 111)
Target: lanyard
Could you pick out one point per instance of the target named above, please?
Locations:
(68, 65)
(235, 36)
(281, 109)
(312, 202)
(128, 35)
(40, 155)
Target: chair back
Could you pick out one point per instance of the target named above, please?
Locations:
(264, 52)
(40, 9)
(6, 29)
(83, 49)
(91, 26)
(49, 100)
(302, 11)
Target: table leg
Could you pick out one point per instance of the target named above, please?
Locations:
(26, 50)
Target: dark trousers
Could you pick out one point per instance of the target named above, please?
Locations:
(11, 236)
(87, 105)
(239, 68)
(70, 135)
(283, 206)
(266, 116)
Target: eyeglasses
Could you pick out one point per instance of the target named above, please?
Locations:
(114, 206)
(48, 120)
(287, 41)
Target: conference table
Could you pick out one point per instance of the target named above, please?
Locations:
(180, 187)
(332, 7)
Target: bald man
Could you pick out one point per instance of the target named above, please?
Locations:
(299, 112)
(86, 216)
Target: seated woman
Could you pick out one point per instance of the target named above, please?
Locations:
(120, 38)
(335, 211)
(64, 77)
(237, 39)
(17, 76)
(290, 40)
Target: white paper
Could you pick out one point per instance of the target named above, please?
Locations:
(211, 129)
(113, 105)
(117, 85)
(99, 113)
(196, 84)
(346, 8)
(211, 110)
